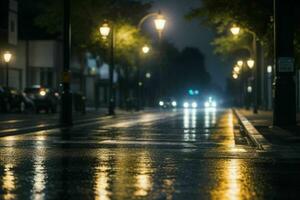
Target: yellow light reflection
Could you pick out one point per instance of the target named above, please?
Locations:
(102, 178)
(230, 184)
(102, 184)
(143, 178)
(8, 182)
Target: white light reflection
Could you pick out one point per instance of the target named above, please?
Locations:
(39, 177)
(210, 117)
(189, 124)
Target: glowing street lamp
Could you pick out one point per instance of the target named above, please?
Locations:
(235, 30)
(249, 89)
(269, 69)
(236, 69)
(250, 63)
(145, 49)
(240, 63)
(104, 30)
(235, 76)
(7, 58)
(148, 75)
(160, 22)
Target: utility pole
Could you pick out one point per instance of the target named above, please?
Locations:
(112, 96)
(66, 96)
(285, 92)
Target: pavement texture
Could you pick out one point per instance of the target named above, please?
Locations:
(183, 154)
(288, 136)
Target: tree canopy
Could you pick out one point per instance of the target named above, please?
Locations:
(87, 16)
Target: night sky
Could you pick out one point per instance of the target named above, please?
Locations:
(191, 33)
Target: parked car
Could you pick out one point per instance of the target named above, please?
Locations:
(44, 98)
(13, 100)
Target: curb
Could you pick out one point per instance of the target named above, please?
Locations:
(256, 138)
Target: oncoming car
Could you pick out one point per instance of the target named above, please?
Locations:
(210, 103)
(167, 103)
(190, 104)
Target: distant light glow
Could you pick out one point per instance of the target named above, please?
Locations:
(7, 56)
(236, 69)
(249, 89)
(186, 105)
(240, 63)
(174, 103)
(161, 103)
(160, 22)
(206, 104)
(104, 30)
(269, 69)
(250, 63)
(194, 105)
(148, 75)
(191, 92)
(145, 49)
(42, 92)
(235, 30)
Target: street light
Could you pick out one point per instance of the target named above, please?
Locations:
(250, 63)
(7, 58)
(236, 69)
(235, 76)
(105, 31)
(235, 30)
(269, 69)
(148, 75)
(160, 23)
(145, 49)
(240, 63)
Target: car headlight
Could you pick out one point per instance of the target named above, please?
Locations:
(206, 104)
(186, 105)
(161, 103)
(174, 103)
(194, 105)
(214, 104)
(43, 93)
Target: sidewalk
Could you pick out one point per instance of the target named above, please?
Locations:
(274, 135)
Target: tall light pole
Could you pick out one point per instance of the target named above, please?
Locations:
(145, 50)
(66, 96)
(235, 30)
(7, 58)
(160, 23)
(105, 31)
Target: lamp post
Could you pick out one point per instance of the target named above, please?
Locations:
(7, 58)
(144, 50)
(105, 31)
(269, 85)
(235, 30)
(66, 96)
(159, 22)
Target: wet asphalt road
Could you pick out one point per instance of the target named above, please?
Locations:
(191, 154)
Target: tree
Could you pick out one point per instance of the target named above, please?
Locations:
(87, 17)
(256, 16)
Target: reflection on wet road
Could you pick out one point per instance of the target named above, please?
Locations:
(184, 154)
